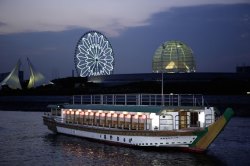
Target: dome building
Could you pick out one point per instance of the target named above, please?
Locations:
(173, 57)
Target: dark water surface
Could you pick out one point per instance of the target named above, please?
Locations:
(24, 140)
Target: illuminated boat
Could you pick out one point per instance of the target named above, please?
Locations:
(141, 120)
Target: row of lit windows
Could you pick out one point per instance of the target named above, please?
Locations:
(105, 114)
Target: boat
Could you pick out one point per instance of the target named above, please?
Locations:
(180, 121)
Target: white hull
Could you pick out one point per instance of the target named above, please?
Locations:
(153, 141)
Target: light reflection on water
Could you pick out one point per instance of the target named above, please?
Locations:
(24, 140)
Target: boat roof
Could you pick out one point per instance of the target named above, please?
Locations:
(127, 108)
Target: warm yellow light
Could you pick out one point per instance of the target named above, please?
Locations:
(114, 115)
(171, 65)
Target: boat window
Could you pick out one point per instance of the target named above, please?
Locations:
(130, 140)
(117, 138)
(124, 140)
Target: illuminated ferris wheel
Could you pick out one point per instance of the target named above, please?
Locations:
(94, 55)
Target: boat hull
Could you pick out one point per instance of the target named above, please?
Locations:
(197, 140)
(172, 139)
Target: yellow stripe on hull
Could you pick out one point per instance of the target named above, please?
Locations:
(214, 130)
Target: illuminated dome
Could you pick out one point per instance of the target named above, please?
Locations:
(173, 56)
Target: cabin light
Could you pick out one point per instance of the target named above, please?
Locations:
(86, 113)
(139, 113)
(89, 110)
(128, 116)
(72, 112)
(114, 115)
(77, 113)
(109, 115)
(64, 112)
(79, 110)
(121, 115)
(97, 114)
(125, 112)
(70, 109)
(112, 112)
(136, 116)
(171, 94)
(82, 113)
(143, 116)
(91, 114)
(100, 111)
(103, 114)
(202, 117)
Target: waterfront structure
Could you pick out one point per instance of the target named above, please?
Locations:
(173, 56)
(36, 78)
(94, 55)
(12, 80)
(140, 120)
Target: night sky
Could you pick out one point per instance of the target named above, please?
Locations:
(218, 31)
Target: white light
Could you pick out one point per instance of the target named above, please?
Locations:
(248, 93)
(94, 55)
(202, 117)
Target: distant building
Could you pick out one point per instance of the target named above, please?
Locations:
(173, 57)
(168, 77)
(243, 69)
(20, 75)
(12, 79)
(36, 78)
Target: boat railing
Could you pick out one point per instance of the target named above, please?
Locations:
(141, 99)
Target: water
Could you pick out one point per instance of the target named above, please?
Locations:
(24, 140)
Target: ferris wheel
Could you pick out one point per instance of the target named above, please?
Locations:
(94, 55)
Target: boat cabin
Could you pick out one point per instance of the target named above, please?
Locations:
(134, 117)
